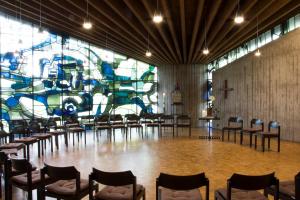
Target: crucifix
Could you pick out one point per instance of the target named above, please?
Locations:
(226, 89)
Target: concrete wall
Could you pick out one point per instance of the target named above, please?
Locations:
(192, 82)
(267, 87)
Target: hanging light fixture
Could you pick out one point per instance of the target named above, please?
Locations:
(239, 18)
(205, 50)
(157, 17)
(40, 27)
(257, 52)
(20, 41)
(148, 52)
(87, 24)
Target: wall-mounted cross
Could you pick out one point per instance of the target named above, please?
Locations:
(226, 89)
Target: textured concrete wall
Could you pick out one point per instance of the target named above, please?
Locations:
(192, 82)
(267, 87)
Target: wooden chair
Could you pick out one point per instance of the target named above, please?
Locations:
(133, 121)
(256, 125)
(181, 187)
(66, 183)
(273, 132)
(3, 135)
(118, 185)
(117, 122)
(73, 127)
(167, 121)
(184, 121)
(37, 132)
(102, 123)
(52, 129)
(244, 187)
(27, 178)
(234, 124)
(288, 190)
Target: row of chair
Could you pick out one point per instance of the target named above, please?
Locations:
(66, 183)
(256, 129)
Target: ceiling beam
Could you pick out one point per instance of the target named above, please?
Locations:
(166, 9)
(183, 28)
(150, 12)
(196, 28)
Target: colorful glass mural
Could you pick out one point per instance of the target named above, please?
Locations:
(46, 75)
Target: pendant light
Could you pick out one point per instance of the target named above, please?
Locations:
(239, 18)
(40, 27)
(157, 17)
(20, 41)
(205, 50)
(148, 52)
(257, 52)
(87, 24)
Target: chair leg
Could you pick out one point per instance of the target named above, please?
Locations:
(255, 142)
(222, 134)
(234, 136)
(228, 136)
(263, 143)
(251, 140)
(269, 142)
(29, 195)
(278, 144)
(241, 137)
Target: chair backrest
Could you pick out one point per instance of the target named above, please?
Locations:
(246, 182)
(167, 117)
(132, 117)
(274, 125)
(18, 127)
(51, 123)
(1, 126)
(61, 173)
(113, 178)
(297, 186)
(257, 122)
(116, 118)
(174, 182)
(21, 165)
(102, 118)
(236, 120)
(34, 127)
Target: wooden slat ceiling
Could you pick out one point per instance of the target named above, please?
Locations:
(123, 25)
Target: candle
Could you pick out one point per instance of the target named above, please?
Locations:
(204, 113)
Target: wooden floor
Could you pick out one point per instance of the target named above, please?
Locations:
(180, 155)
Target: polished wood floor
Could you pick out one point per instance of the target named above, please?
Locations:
(180, 155)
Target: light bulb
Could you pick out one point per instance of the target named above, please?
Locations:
(157, 18)
(257, 53)
(239, 19)
(205, 51)
(87, 24)
(148, 53)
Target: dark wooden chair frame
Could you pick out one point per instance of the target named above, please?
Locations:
(167, 121)
(236, 120)
(285, 196)
(62, 173)
(133, 121)
(102, 123)
(253, 122)
(179, 123)
(174, 182)
(269, 135)
(252, 183)
(115, 179)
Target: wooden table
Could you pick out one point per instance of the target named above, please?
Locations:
(208, 119)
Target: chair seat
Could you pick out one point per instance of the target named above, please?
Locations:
(103, 127)
(118, 126)
(286, 188)
(22, 179)
(12, 146)
(240, 194)
(134, 125)
(252, 130)
(67, 187)
(42, 136)
(168, 194)
(56, 132)
(72, 125)
(267, 134)
(118, 193)
(27, 140)
(76, 129)
(9, 151)
(183, 124)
